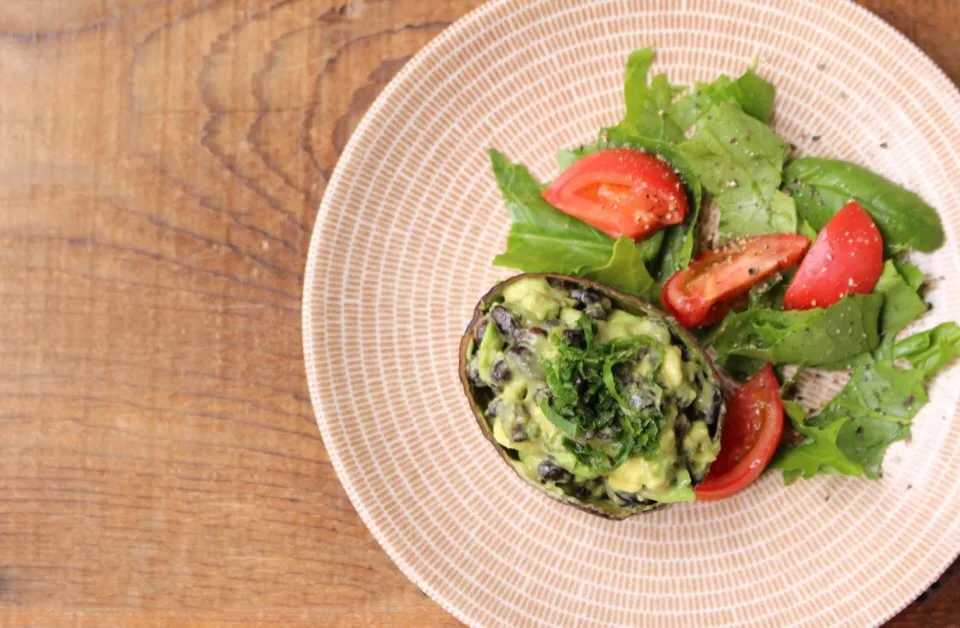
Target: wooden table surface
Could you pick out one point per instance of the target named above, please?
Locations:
(161, 163)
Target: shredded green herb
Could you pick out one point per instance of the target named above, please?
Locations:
(586, 397)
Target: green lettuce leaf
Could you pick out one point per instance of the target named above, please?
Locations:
(822, 186)
(910, 273)
(750, 92)
(783, 213)
(819, 453)
(739, 160)
(542, 238)
(755, 94)
(647, 102)
(770, 292)
(874, 409)
(688, 110)
(626, 271)
(650, 247)
(901, 306)
(566, 158)
(901, 303)
(808, 337)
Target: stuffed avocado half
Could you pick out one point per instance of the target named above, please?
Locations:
(593, 396)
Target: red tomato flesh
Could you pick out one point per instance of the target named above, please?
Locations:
(702, 293)
(751, 434)
(621, 192)
(846, 258)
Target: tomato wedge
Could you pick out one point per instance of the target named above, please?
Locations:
(846, 258)
(702, 293)
(622, 192)
(751, 434)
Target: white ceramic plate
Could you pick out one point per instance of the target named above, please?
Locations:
(401, 252)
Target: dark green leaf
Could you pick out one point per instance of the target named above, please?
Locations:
(864, 441)
(901, 303)
(809, 337)
(822, 186)
(563, 424)
(769, 293)
(910, 273)
(650, 248)
(931, 350)
(874, 409)
(878, 403)
(595, 402)
(742, 368)
(901, 306)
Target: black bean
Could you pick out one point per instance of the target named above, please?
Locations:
(473, 373)
(500, 372)
(580, 491)
(494, 408)
(605, 434)
(642, 397)
(481, 328)
(524, 361)
(518, 433)
(627, 499)
(553, 322)
(575, 337)
(622, 371)
(550, 472)
(715, 400)
(581, 384)
(530, 336)
(596, 311)
(640, 402)
(708, 413)
(585, 297)
(504, 320)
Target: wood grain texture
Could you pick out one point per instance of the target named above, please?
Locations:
(161, 164)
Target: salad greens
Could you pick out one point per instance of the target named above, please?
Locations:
(626, 271)
(750, 92)
(804, 337)
(647, 102)
(739, 161)
(874, 410)
(821, 186)
(902, 303)
(717, 139)
(542, 238)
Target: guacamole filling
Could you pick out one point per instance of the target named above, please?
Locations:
(592, 402)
